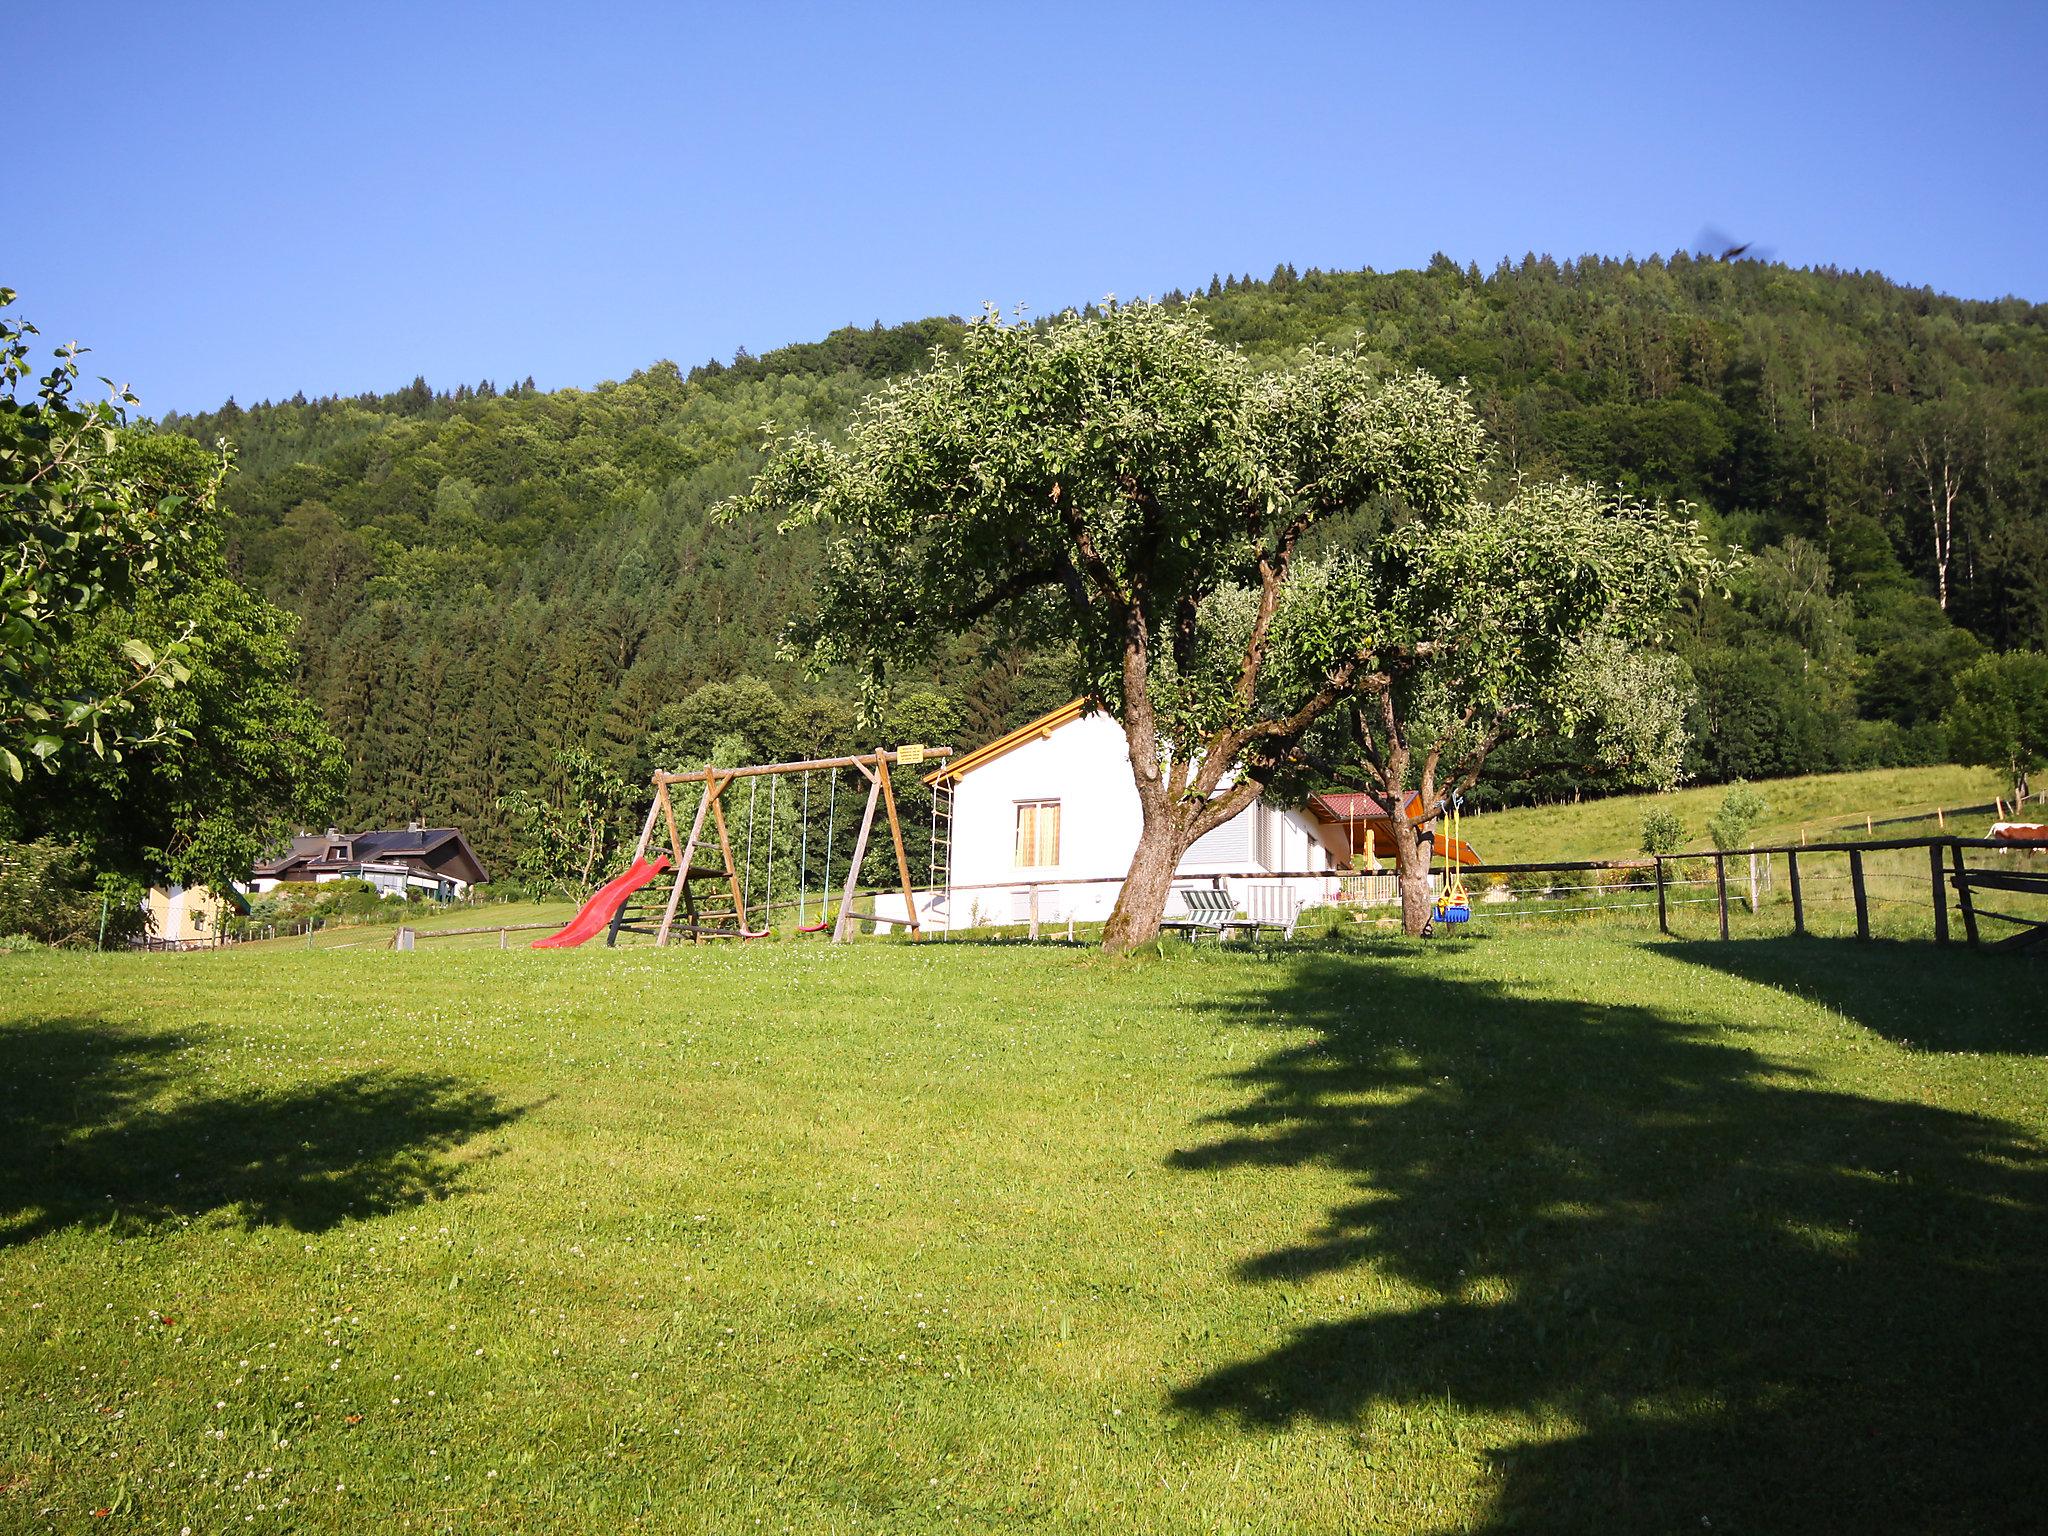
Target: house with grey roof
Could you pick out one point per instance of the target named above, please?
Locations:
(435, 862)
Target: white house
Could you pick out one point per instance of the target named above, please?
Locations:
(435, 862)
(1049, 813)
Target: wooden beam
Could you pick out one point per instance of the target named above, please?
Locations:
(732, 871)
(1940, 886)
(683, 856)
(647, 826)
(1721, 888)
(1798, 897)
(1663, 916)
(1963, 897)
(843, 928)
(1862, 900)
(862, 760)
(2030, 881)
(896, 835)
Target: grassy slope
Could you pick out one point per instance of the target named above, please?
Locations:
(1823, 802)
(1576, 1229)
(427, 920)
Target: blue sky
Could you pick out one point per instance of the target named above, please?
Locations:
(253, 200)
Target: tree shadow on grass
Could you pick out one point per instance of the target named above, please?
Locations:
(1917, 994)
(104, 1126)
(1738, 1299)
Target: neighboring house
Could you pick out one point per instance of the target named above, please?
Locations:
(430, 861)
(1052, 805)
(183, 915)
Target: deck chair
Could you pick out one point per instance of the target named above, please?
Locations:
(1271, 906)
(1206, 911)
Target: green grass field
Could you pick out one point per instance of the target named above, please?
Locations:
(1830, 805)
(1540, 1230)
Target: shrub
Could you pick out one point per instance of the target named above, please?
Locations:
(1663, 832)
(46, 893)
(1741, 809)
(49, 896)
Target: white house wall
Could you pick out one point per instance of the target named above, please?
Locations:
(1085, 765)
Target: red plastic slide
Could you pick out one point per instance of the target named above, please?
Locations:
(607, 899)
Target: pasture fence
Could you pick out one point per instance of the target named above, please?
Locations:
(1906, 888)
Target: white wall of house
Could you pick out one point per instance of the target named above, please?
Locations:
(1084, 766)
(389, 880)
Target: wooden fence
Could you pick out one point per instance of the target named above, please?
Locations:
(2023, 872)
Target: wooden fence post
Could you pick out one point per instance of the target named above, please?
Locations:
(1034, 911)
(1940, 893)
(1721, 888)
(1856, 885)
(1963, 898)
(1663, 917)
(1798, 899)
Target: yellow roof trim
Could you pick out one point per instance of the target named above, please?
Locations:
(1024, 735)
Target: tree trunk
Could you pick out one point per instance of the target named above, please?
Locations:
(1141, 904)
(1414, 848)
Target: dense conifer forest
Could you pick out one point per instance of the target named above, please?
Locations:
(498, 587)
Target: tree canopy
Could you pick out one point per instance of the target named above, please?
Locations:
(159, 691)
(81, 524)
(2000, 717)
(1534, 616)
(1126, 488)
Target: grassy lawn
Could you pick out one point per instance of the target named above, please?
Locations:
(1535, 1230)
(1830, 805)
(429, 919)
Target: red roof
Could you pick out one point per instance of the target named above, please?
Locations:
(1349, 806)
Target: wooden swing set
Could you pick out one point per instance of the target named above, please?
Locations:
(731, 877)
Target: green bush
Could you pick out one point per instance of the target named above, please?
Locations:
(1741, 809)
(49, 896)
(1663, 832)
(347, 901)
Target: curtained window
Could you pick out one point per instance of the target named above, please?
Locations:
(1038, 834)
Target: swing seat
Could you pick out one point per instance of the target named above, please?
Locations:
(813, 927)
(1457, 912)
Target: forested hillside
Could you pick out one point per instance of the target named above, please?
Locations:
(489, 577)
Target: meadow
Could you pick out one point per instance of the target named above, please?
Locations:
(1567, 1229)
(1828, 806)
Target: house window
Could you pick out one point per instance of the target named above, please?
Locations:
(1038, 834)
